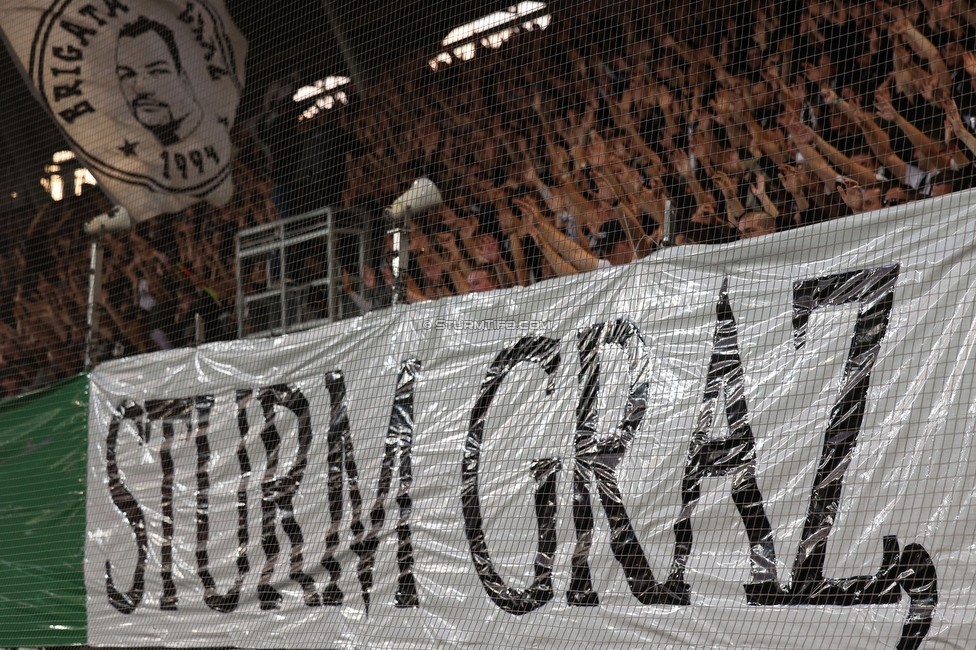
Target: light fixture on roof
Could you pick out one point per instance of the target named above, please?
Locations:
(319, 87)
(83, 177)
(64, 175)
(328, 93)
(324, 103)
(492, 21)
(420, 197)
(57, 187)
(499, 25)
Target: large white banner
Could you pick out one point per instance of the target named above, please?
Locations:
(763, 445)
(146, 91)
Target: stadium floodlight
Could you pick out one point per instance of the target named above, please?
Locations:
(115, 220)
(321, 86)
(422, 196)
(491, 30)
(327, 92)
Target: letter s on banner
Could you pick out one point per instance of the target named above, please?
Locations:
(541, 350)
(124, 501)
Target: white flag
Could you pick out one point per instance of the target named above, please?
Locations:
(146, 91)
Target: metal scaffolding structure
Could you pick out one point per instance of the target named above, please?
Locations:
(290, 298)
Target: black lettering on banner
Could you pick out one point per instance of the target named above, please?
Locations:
(207, 44)
(180, 410)
(113, 7)
(190, 17)
(399, 445)
(873, 289)
(67, 53)
(597, 460)
(228, 602)
(197, 159)
(63, 91)
(917, 576)
(69, 115)
(90, 11)
(914, 571)
(209, 48)
(733, 455)
(243, 397)
(278, 493)
(216, 73)
(211, 153)
(187, 15)
(165, 156)
(168, 411)
(127, 602)
(57, 72)
(541, 350)
(340, 458)
(180, 161)
(78, 31)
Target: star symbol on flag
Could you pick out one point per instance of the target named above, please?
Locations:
(129, 148)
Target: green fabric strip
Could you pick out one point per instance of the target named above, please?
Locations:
(43, 451)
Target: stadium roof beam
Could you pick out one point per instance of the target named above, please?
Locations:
(347, 54)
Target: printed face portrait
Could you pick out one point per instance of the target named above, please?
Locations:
(154, 83)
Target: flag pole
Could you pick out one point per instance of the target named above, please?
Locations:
(94, 297)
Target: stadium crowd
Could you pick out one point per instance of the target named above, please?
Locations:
(556, 153)
(155, 280)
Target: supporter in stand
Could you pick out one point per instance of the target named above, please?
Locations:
(564, 145)
(556, 154)
(480, 280)
(44, 284)
(148, 302)
(756, 224)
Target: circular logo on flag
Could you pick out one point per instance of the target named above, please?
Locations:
(146, 90)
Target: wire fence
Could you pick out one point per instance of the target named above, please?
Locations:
(554, 144)
(415, 153)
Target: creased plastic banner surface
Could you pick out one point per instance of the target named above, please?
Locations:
(761, 445)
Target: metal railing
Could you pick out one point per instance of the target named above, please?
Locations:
(287, 268)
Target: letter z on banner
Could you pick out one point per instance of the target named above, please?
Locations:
(757, 446)
(145, 90)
